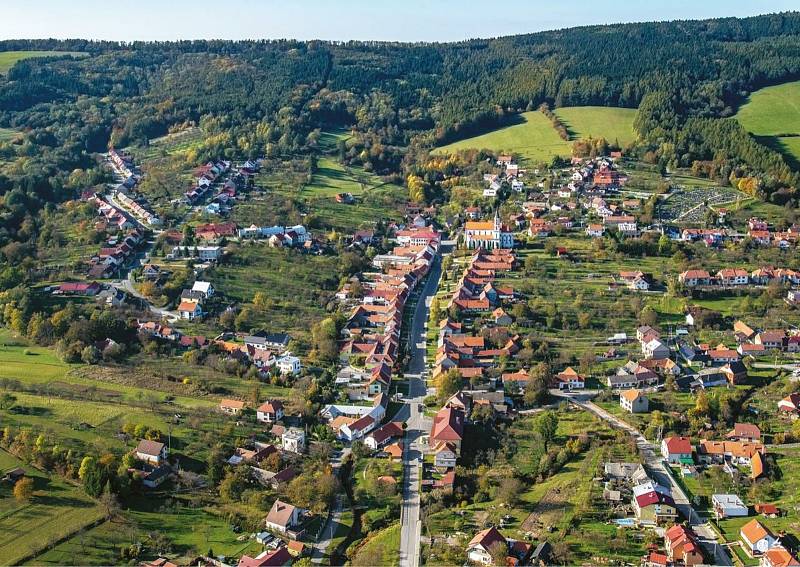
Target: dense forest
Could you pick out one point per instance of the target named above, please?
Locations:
(269, 97)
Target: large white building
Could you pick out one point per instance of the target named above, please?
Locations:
(488, 234)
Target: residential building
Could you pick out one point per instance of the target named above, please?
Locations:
(283, 517)
(757, 539)
(682, 546)
(270, 411)
(633, 401)
(153, 452)
(483, 547)
(728, 506)
(232, 407)
(294, 440)
(289, 364)
(677, 450)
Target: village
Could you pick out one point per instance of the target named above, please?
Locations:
(489, 360)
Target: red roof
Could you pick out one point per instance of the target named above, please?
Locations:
(678, 445)
(448, 425)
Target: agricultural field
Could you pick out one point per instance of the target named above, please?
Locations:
(57, 509)
(169, 145)
(613, 124)
(9, 58)
(773, 115)
(533, 138)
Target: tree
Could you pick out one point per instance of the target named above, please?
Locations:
(509, 490)
(7, 400)
(545, 426)
(90, 355)
(448, 383)
(23, 489)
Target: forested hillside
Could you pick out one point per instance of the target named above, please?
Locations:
(268, 97)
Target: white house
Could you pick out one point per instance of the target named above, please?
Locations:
(677, 450)
(282, 517)
(270, 411)
(757, 539)
(294, 440)
(654, 348)
(289, 364)
(480, 549)
(153, 452)
(728, 506)
(204, 287)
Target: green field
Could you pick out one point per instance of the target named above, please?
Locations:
(57, 509)
(8, 58)
(773, 114)
(613, 124)
(534, 139)
(7, 134)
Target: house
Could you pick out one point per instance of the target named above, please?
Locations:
(294, 440)
(633, 401)
(653, 504)
(268, 341)
(778, 557)
(790, 403)
(483, 547)
(501, 318)
(153, 452)
(444, 455)
(190, 310)
(279, 557)
(677, 450)
(204, 287)
(156, 477)
(270, 411)
(569, 379)
(595, 230)
(720, 356)
(682, 546)
(151, 272)
(735, 372)
(232, 407)
(289, 364)
(283, 517)
(757, 539)
(654, 348)
(383, 435)
(79, 288)
(448, 427)
(728, 506)
(768, 510)
(772, 339)
(744, 432)
(733, 277)
(694, 278)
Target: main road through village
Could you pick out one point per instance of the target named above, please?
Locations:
(418, 425)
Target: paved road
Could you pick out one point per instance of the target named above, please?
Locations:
(127, 286)
(318, 554)
(654, 462)
(418, 425)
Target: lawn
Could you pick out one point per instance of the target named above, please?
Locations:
(613, 124)
(384, 544)
(773, 114)
(9, 58)
(57, 509)
(533, 138)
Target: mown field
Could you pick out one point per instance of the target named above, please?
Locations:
(534, 139)
(613, 124)
(7, 134)
(773, 114)
(8, 58)
(56, 510)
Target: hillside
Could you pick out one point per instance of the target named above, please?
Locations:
(773, 114)
(9, 58)
(613, 124)
(533, 138)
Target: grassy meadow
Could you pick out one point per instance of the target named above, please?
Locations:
(534, 139)
(613, 124)
(9, 58)
(773, 114)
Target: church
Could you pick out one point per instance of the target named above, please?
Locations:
(488, 234)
